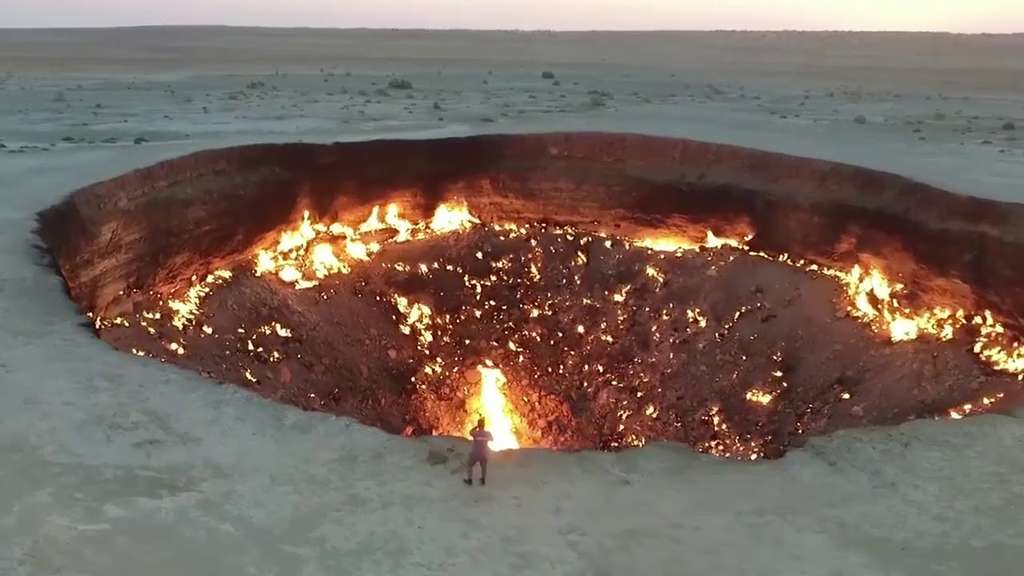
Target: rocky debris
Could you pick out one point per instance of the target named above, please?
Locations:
(860, 119)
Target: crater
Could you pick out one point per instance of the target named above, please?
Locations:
(581, 291)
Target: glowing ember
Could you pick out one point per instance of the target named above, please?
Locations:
(759, 396)
(416, 318)
(490, 403)
(186, 309)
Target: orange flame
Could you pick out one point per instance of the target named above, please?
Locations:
(491, 404)
(308, 253)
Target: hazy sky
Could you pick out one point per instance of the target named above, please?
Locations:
(947, 15)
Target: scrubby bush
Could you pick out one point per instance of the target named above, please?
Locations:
(1009, 126)
(399, 84)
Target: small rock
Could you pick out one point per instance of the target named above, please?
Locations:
(860, 119)
(437, 457)
(1009, 126)
(141, 140)
(392, 353)
(547, 75)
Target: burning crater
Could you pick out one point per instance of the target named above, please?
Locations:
(580, 290)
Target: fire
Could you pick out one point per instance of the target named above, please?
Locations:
(313, 251)
(310, 251)
(416, 318)
(185, 309)
(491, 404)
(759, 396)
(451, 218)
(873, 300)
(400, 225)
(993, 346)
(324, 262)
(667, 243)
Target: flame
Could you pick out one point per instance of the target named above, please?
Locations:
(372, 223)
(416, 318)
(994, 347)
(358, 250)
(308, 253)
(490, 403)
(186, 309)
(759, 396)
(452, 217)
(400, 225)
(670, 243)
(324, 262)
(873, 300)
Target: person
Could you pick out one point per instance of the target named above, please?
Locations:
(478, 453)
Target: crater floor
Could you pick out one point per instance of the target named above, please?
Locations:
(604, 343)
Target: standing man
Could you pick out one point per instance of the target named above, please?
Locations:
(478, 453)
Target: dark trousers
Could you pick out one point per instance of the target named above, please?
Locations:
(476, 459)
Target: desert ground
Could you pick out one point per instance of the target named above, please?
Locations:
(113, 464)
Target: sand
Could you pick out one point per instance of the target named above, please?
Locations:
(118, 465)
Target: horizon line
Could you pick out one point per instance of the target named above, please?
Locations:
(520, 30)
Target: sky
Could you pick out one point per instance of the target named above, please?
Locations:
(909, 15)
